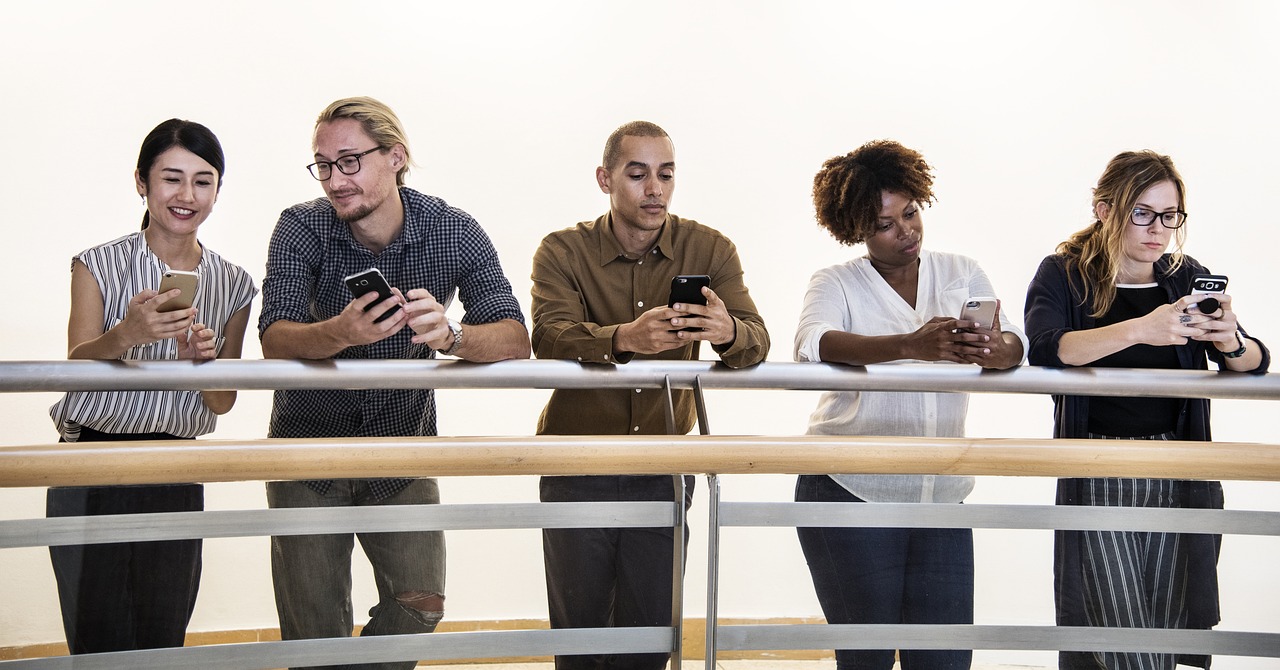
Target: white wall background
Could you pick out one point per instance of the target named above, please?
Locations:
(1017, 105)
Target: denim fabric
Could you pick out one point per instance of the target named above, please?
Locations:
(609, 577)
(125, 595)
(312, 573)
(888, 576)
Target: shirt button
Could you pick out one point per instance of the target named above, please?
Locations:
(636, 429)
(579, 358)
(638, 390)
(640, 304)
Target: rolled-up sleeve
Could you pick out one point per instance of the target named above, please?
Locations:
(824, 310)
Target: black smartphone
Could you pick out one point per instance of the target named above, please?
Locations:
(369, 281)
(688, 289)
(1208, 285)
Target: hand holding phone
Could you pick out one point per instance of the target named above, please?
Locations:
(186, 282)
(687, 289)
(371, 281)
(1208, 285)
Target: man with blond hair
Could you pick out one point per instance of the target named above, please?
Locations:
(428, 252)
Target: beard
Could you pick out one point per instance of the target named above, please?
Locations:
(355, 214)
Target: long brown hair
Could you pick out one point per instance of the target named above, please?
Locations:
(1095, 252)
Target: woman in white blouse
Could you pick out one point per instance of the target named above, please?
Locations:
(896, 303)
(139, 595)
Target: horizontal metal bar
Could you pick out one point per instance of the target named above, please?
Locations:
(322, 520)
(1034, 638)
(1044, 517)
(29, 376)
(374, 649)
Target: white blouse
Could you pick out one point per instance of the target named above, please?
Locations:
(123, 268)
(853, 297)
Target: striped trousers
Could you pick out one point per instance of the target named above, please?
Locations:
(1134, 579)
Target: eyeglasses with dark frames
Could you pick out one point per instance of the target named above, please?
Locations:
(349, 164)
(1145, 217)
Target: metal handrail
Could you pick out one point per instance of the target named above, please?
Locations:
(28, 376)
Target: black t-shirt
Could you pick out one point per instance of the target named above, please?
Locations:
(1126, 416)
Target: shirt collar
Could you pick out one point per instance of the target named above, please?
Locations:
(611, 250)
(413, 230)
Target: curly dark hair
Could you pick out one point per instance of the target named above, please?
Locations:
(846, 191)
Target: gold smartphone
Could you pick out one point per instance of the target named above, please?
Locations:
(178, 279)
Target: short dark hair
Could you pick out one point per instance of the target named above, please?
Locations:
(189, 135)
(613, 145)
(847, 190)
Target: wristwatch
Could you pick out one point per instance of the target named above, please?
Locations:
(1238, 352)
(456, 329)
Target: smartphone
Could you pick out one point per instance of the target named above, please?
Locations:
(981, 309)
(187, 281)
(1208, 285)
(369, 281)
(688, 289)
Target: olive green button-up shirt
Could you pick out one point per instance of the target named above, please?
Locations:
(584, 287)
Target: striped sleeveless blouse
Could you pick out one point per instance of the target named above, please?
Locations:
(123, 268)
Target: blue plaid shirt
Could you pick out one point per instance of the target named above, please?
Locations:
(441, 249)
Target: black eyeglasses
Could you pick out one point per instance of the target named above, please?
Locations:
(349, 164)
(1145, 217)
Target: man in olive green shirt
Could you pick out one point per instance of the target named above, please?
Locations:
(600, 296)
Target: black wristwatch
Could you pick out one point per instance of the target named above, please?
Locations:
(1238, 352)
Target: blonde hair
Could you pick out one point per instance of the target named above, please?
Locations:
(1096, 251)
(379, 123)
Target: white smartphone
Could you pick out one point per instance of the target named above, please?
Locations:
(981, 309)
(1208, 285)
(187, 281)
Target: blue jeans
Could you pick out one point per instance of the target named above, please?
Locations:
(610, 577)
(888, 576)
(312, 573)
(125, 595)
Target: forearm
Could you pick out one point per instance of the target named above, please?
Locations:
(498, 341)
(1082, 347)
(837, 346)
(219, 402)
(1251, 359)
(290, 339)
(108, 346)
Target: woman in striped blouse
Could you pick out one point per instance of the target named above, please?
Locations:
(139, 595)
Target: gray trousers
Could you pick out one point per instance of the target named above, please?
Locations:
(312, 573)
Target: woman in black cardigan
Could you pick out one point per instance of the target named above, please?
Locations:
(1112, 297)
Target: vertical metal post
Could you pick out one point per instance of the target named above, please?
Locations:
(677, 549)
(700, 405)
(713, 567)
